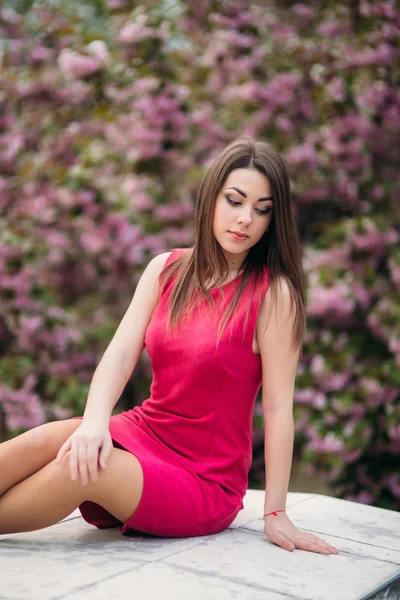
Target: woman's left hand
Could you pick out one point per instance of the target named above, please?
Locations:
(280, 530)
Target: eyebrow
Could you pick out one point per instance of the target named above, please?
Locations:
(245, 195)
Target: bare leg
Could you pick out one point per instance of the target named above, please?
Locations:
(36, 493)
(49, 495)
(31, 451)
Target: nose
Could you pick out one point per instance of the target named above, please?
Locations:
(244, 216)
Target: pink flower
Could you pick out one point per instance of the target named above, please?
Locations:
(132, 186)
(318, 365)
(362, 296)
(394, 432)
(92, 242)
(41, 53)
(169, 212)
(393, 483)
(23, 409)
(336, 89)
(61, 412)
(329, 29)
(99, 51)
(333, 382)
(304, 153)
(154, 243)
(304, 11)
(137, 31)
(31, 324)
(350, 456)
(374, 240)
(281, 88)
(327, 301)
(10, 16)
(364, 497)
(284, 123)
(306, 396)
(178, 236)
(77, 66)
(329, 444)
(334, 257)
(116, 4)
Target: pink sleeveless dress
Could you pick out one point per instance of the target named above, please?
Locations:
(193, 435)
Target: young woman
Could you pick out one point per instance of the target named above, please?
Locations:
(218, 320)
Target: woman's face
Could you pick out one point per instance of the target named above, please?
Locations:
(246, 209)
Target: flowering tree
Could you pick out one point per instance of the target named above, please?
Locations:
(111, 112)
(90, 142)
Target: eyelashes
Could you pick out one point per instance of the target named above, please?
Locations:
(259, 210)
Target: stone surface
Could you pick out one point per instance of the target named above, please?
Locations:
(74, 560)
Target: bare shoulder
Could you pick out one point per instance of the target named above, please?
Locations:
(128, 340)
(278, 304)
(150, 276)
(157, 263)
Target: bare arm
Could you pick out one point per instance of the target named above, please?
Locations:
(125, 348)
(90, 446)
(279, 364)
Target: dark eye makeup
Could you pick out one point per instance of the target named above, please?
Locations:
(261, 211)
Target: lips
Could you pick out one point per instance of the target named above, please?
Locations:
(242, 235)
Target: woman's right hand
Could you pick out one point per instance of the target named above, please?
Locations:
(89, 447)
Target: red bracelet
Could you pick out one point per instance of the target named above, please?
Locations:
(275, 513)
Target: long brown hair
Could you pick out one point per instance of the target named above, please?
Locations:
(278, 249)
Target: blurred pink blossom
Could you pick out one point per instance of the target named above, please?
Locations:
(333, 382)
(334, 257)
(378, 8)
(330, 443)
(336, 89)
(329, 29)
(392, 482)
(363, 497)
(374, 241)
(77, 66)
(41, 54)
(116, 4)
(133, 187)
(92, 242)
(309, 396)
(284, 123)
(22, 407)
(180, 237)
(134, 32)
(350, 456)
(327, 301)
(303, 153)
(10, 16)
(304, 11)
(60, 412)
(362, 295)
(170, 212)
(99, 51)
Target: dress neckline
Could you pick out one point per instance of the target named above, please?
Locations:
(220, 287)
(225, 284)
